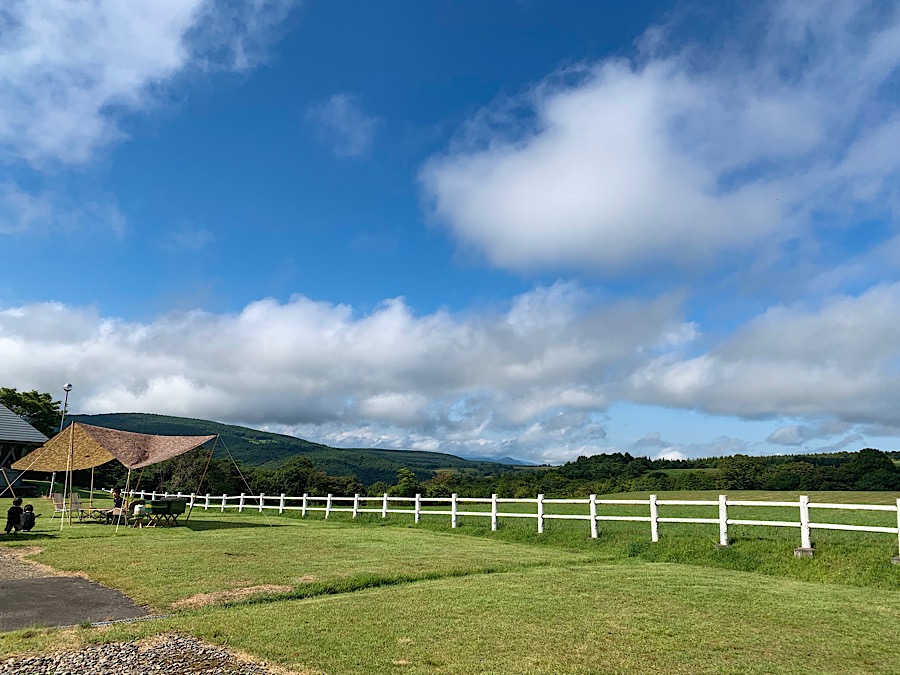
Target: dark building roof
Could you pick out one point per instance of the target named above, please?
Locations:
(13, 429)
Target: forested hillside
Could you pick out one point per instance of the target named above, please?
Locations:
(268, 450)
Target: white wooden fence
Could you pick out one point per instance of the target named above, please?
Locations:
(420, 505)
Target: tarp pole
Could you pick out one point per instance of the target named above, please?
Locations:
(8, 484)
(205, 469)
(67, 484)
(91, 498)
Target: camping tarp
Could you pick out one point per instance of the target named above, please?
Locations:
(92, 446)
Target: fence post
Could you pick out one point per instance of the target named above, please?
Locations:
(166, 495)
(154, 495)
(540, 513)
(241, 504)
(896, 558)
(193, 496)
(654, 519)
(384, 505)
(303, 507)
(723, 521)
(281, 504)
(417, 509)
(223, 502)
(453, 510)
(179, 494)
(328, 506)
(806, 548)
(494, 513)
(594, 532)
(355, 504)
(206, 508)
(261, 496)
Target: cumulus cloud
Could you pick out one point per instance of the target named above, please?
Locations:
(798, 434)
(838, 360)
(673, 159)
(529, 381)
(344, 125)
(71, 72)
(68, 72)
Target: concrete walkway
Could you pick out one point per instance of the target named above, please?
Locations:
(31, 596)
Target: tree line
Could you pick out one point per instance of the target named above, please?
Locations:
(868, 469)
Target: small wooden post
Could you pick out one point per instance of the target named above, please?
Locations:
(223, 502)
(453, 518)
(806, 548)
(417, 509)
(355, 504)
(328, 506)
(303, 507)
(654, 519)
(281, 504)
(384, 506)
(241, 504)
(261, 497)
(540, 513)
(594, 532)
(723, 521)
(494, 512)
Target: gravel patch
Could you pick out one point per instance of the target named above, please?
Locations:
(171, 654)
(13, 565)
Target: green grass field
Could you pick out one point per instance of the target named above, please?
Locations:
(373, 596)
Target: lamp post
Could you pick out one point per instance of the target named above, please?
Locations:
(67, 387)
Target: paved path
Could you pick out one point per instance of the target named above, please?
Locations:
(31, 595)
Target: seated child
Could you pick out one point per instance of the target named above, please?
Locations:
(28, 518)
(14, 516)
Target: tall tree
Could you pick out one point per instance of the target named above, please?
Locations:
(37, 408)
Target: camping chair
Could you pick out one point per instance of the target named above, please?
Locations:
(93, 514)
(59, 505)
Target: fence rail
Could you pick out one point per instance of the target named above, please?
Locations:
(425, 506)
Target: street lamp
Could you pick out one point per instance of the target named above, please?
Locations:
(67, 387)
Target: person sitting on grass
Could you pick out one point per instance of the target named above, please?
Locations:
(28, 518)
(14, 516)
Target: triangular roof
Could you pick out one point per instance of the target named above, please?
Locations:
(13, 429)
(92, 446)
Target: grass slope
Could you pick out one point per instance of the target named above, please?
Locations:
(267, 449)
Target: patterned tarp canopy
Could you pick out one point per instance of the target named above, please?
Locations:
(92, 446)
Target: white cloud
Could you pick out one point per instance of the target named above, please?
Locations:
(344, 125)
(674, 159)
(839, 360)
(528, 381)
(43, 212)
(671, 455)
(69, 71)
(531, 382)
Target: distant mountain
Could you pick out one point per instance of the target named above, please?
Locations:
(263, 448)
(512, 461)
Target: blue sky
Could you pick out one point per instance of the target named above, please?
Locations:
(513, 228)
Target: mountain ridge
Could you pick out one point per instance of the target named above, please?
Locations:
(269, 449)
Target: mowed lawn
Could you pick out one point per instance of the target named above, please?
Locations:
(345, 597)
